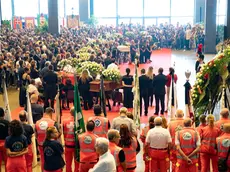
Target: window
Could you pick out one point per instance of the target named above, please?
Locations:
(21, 8)
(6, 10)
(44, 6)
(157, 8)
(162, 21)
(182, 20)
(130, 8)
(150, 22)
(221, 7)
(105, 8)
(108, 22)
(72, 7)
(182, 8)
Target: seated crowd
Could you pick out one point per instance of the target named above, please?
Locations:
(106, 147)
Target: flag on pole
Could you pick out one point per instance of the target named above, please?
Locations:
(79, 126)
(136, 100)
(30, 121)
(6, 101)
(102, 95)
(58, 109)
(172, 103)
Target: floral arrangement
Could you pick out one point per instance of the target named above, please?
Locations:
(209, 82)
(130, 35)
(93, 67)
(63, 63)
(84, 56)
(112, 75)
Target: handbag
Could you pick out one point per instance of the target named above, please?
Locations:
(222, 163)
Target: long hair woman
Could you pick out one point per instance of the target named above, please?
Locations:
(84, 87)
(143, 137)
(127, 82)
(16, 148)
(208, 150)
(53, 151)
(150, 75)
(24, 82)
(130, 146)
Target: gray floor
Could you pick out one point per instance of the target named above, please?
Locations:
(183, 61)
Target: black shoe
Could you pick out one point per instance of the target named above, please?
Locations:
(156, 114)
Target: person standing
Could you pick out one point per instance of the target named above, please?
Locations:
(102, 124)
(133, 51)
(106, 161)
(37, 109)
(40, 131)
(142, 52)
(223, 146)
(16, 148)
(123, 119)
(199, 63)
(208, 147)
(144, 86)
(159, 83)
(28, 132)
(127, 83)
(143, 138)
(117, 152)
(69, 138)
(188, 145)
(24, 83)
(148, 52)
(86, 144)
(4, 126)
(131, 147)
(50, 87)
(224, 119)
(188, 34)
(84, 89)
(150, 75)
(158, 141)
(53, 151)
(170, 76)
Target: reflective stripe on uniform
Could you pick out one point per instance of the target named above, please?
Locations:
(87, 150)
(68, 132)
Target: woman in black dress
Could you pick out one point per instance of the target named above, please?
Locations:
(147, 52)
(84, 87)
(150, 75)
(24, 83)
(33, 70)
(127, 82)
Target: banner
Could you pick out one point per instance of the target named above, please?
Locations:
(6, 101)
(42, 19)
(73, 21)
(30, 23)
(17, 23)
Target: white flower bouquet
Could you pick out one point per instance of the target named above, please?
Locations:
(112, 74)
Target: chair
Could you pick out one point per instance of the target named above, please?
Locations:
(70, 97)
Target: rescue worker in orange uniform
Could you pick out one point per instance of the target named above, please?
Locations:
(143, 137)
(40, 131)
(208, 150)
(223, 144)
(102, 124)
(69, 138)
(224, 119)
(28, 132)
(130, 146)
(203, 124)
(174, 126)
(4, 126)
(86, 144)
(116, 151)
(188, 145)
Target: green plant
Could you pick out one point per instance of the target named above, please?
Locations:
(92, 21)
(6, 24)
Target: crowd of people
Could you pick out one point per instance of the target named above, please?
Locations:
(111, 147)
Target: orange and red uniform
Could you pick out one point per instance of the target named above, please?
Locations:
(130, 155)
(223, 147)
(187, 138)
(101, 126)
(114, 149)
(88, 155)
(143, 137)
(219, 124)
(69, 138)
(40, 128)
(173, 127)
(208, 150)
(198, 129)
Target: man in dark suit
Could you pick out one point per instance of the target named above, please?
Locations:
(50, 86)
(159, 83)
(143, 85)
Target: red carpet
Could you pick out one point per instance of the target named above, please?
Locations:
(160, 58)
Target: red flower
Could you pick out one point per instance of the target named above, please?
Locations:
(220, 57)
(206, 76)
(225, 67)
(211, 63)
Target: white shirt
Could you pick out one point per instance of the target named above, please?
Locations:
(33, 89)
(188, 34)
(113, 66)
(158, 137)
(177, 142)
(106, 163)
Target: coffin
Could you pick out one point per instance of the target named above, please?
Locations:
(108, 86)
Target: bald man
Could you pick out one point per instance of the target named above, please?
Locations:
(223, 144)
(187, 142)
(158, 141)
(37, 109)
(224, 119)
(176, 125)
